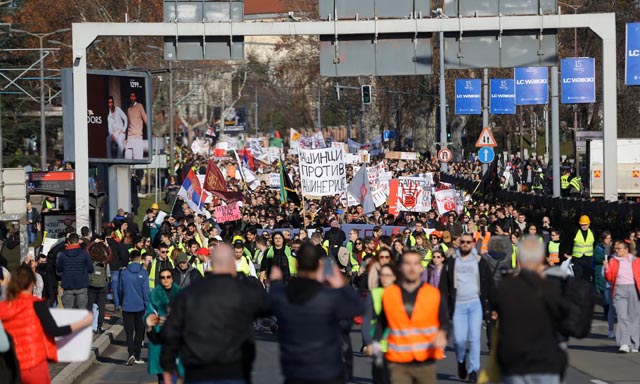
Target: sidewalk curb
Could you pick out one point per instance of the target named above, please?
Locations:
(74, 370)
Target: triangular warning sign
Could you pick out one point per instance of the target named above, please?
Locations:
(486, 139)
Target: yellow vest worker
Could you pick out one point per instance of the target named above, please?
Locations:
(583, 245)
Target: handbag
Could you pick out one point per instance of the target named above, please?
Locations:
(492, 372)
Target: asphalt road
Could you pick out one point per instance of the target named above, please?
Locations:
(112, 369)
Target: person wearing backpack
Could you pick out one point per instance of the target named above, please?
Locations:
(529, 308)
(623, 272)
(97, 291)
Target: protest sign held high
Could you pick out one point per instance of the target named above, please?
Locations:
(413, 194)
(322, 171)
(226, 213)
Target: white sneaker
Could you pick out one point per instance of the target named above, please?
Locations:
(634, 350)
(624, 349)
(131, 360)
(139, 362)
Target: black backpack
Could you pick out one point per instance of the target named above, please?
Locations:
(579, 297)
(99, 276)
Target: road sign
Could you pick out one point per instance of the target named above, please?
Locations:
(486, 139)
(486, 154)
(445, 155)
(632, 62)
(578, 80)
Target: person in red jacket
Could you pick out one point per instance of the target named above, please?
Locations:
(623, 272)
(28, 320)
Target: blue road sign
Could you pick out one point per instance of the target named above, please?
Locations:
(501, 96)
(486, 155)
(578, 80)
(468, 97)
(632, 55)
(532, 85)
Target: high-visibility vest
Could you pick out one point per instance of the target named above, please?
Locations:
(514, 256)
(576, 183)
(484, 241)
(200, 267)
(564, 181)
(411, 338)
(47, 204)
(293, 268)
(152, 272)
(429, 255)
(355, 267)
(243, 267)
(376, 297)
(554, 252)
(583, 246)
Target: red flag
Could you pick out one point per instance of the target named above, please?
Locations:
(277, 134)
(214, 182)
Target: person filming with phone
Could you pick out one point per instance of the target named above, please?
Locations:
(309, 309)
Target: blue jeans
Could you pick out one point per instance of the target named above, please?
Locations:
(537, 378)
(467, 325)
(115, 280)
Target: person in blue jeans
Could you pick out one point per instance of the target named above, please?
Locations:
(467, 283)
(119, 261)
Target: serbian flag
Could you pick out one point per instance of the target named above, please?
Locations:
(215, 184)
(192, 193)
(247, 157)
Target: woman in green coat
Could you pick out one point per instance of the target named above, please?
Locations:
(157, 310)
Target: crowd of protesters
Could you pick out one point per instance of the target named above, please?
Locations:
(289, 268)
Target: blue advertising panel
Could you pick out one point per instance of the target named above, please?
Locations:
(532, 85)
(502, 100)
(632, 55)
(578, 80)
(468, 97)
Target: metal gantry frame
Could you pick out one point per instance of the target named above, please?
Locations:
(602, 24)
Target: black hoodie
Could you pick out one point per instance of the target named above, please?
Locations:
(309, 332)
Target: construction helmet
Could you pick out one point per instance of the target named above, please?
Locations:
(155, 206)
(584, 219)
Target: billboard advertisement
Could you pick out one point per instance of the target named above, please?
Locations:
(119, 116)
(632, 55)
(235, 119)
(532, 85)
(468, 97)
(501, 95)
(578, 80)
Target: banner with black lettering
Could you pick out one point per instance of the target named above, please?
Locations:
(322, 171)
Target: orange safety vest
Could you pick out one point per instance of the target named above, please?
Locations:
(484, 245)
(411, 338)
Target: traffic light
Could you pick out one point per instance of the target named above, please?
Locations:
(366, 94)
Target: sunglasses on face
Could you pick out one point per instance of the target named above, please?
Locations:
(466, 241)
(166, 277)
(358, 243)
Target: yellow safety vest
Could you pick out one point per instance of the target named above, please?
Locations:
(152, 273)
(554, 252)
(564, 181)
(514, 256)
(244, 267)
(376, 297)
(582, 247)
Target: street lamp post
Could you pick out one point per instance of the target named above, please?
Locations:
(575, 8)
(43, 134)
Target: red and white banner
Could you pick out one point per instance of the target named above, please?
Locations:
(446, 200)
(413, 194)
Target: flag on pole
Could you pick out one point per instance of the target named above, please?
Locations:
(215, 184)
(287, 192)
(360, 189)
(191, 192)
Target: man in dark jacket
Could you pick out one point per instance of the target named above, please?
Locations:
(184, 274)
(74, 266)
(119, 261)
(134, 296)
(211, 331)
(529, 306)
(309, 317)
(467, 284)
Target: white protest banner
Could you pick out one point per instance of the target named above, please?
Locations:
(322, 171)
(75, 347)
(201, 146)
(446, 200)
(413, 194)
(377, 188)
(224, 213)
(274, 181)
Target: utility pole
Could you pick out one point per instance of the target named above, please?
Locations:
(319, 107)
(255, 113)
(172, 138)
(443, 104)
